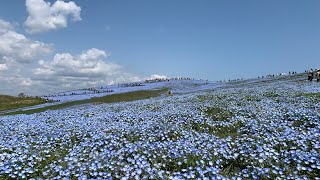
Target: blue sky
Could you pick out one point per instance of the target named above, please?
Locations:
(205, 39)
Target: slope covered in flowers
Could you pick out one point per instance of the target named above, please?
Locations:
(251, 131)
(63, 99)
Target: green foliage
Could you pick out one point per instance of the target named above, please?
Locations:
(176, 165)
(271, 94)
(252, 98)
(297, 123)
(122, 97)
(213, 127)
(202, 98)
(311, 95)
(21, 95)
(222, 131)
(230, 130)
(11, 102)
(234, 166)
(218, 114)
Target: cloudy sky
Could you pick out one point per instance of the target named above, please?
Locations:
(54, 45)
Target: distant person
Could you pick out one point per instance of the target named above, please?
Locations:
(310, 76)
(318, 75)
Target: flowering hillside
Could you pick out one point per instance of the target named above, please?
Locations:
(252, 130)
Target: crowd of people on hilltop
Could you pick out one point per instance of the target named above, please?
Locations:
(166, 79)
(156, 80)
(279, 74)
(130, 84)
(182, 78)
(261, 77)
(313, 74)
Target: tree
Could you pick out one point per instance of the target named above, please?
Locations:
(21, 95)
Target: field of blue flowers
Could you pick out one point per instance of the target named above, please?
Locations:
(258, 130)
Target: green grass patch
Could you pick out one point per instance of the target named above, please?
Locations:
(271, 94)
(177, 164)
(252, 98)
(122, 97)
(217, 130)
(222, 131)
(11, 102)
(207, 97)
(312, 95)
(233, 166)
(218, 114)
(231, 130)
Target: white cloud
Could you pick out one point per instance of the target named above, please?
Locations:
(5, 26)
(3, 67)
(156, 76)
(16, 47)
(20, 72)
(89, 63)
(17, 81)
(87, 69)
(21, 67)
(15, 84)
(25, 81)
(44, 17)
